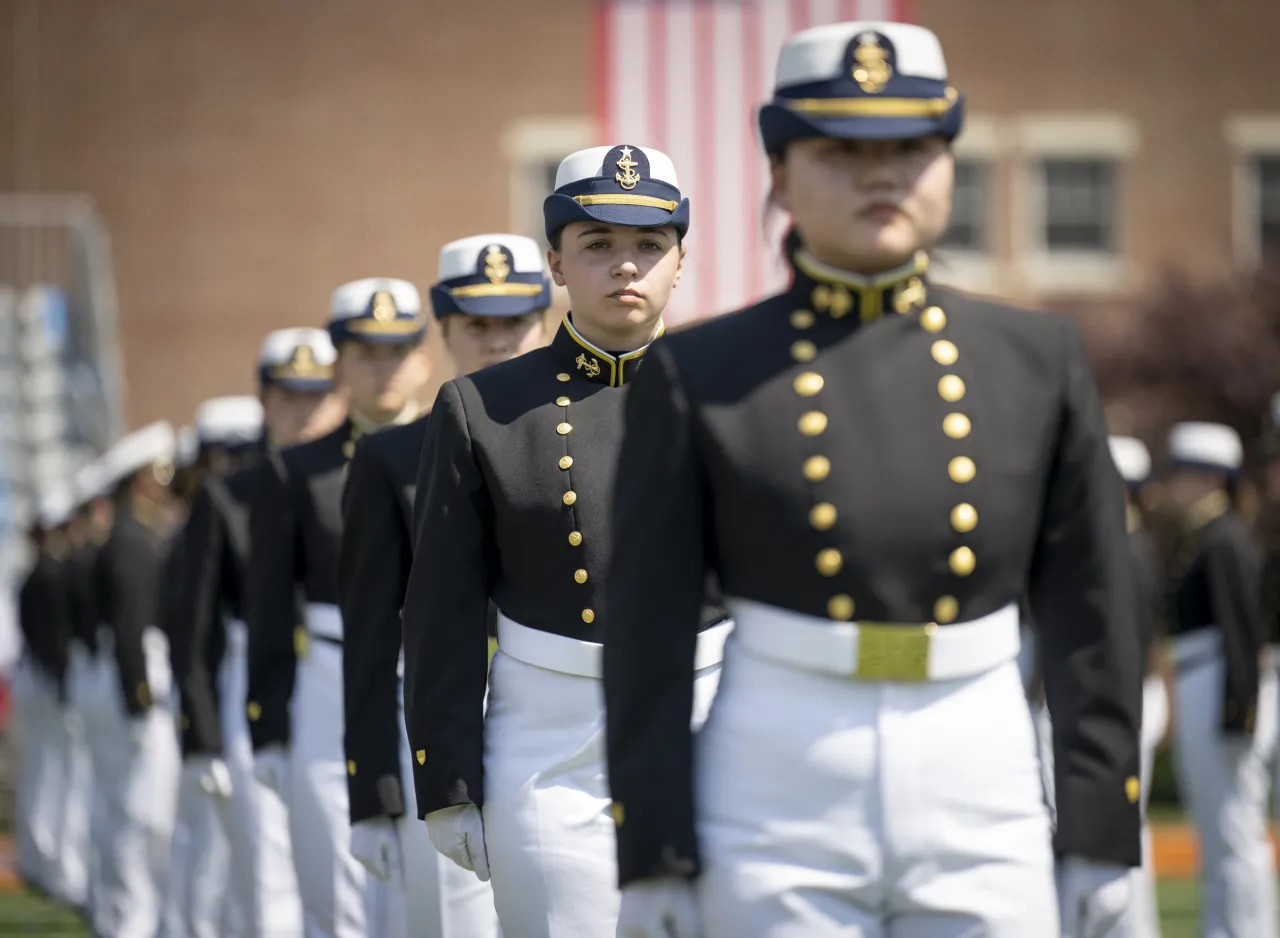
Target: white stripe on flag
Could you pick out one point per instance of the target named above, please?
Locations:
(686, 76)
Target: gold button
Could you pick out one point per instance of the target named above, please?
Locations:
(956, 426)
(808, 384)
(254, 709)
(1132, 789)
(840, 607)
(421, 756)
(961, 469)
(813, 423)
(570, 497)
(563, 376)
(823, 516)
(933, 319)
(566, 462)
(829, 562)
(564, 401)
(564, 428)
(351, 767)
(575, 538)
(619, 813)
(964, 517)
(950, 388)
(803, 350)
(944, 352)
(946, 609)
(588, 615)
(802, 319)
(579, 576)
(817, 468)
(962, 561)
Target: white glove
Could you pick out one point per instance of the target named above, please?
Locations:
(660, 908)
(210, 774)
(1092, 896)
(271, 767)
(458, 833)
(376, 846)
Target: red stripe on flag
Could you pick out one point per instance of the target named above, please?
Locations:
(756, 168)
(654, 80)
(707, 150)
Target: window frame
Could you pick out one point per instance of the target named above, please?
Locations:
(1252, 137)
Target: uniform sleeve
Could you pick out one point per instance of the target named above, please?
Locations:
(373, 565)
(196, 608)
(1146, 591)
(271, 607)
(1082, 600)
(651, 634)
(133, 578)
(1235, 592)
(446, 648)
(44, 615)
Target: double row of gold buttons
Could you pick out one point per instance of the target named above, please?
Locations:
(570, 497)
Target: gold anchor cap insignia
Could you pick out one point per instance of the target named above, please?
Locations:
(592, 367)
(496, 267)
(628, 177)
(384, 306)
(872, 71)
(304, 360)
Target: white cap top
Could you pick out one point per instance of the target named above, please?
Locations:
(1132, 458)
(154, 443)
(353, 299)
(56, 506)
(92, 481)
(229, 421)
(279, 346)
(465, 257)
(1207, 444)
(818, 54)
(589, 164)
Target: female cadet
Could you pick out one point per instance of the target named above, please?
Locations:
(1225, 699)
(513, 494)
(876, 469)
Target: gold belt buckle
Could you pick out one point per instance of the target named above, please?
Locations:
(889, 651)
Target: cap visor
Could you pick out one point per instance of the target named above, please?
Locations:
(501, 305)
(780, 126)
(633, 216)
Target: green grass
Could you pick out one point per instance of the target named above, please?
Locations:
(28, 914)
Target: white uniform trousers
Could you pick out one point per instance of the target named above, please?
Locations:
(432, 897)
(71, 883)
(1224, 780)
(1275, 757)
(196, 903)
(264, 886)
(39, 794)
(830, 806)
(548, 829)
(330, 880)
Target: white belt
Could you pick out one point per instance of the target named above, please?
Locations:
(237, 637)
(586, 659)
(324, 620)
(878, 651)
(1197, 647)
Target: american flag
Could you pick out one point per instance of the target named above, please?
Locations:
(686, 77)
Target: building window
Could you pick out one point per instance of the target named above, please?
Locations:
(534, 148)
(1079, 205)
(1267, 173)
(967, 230)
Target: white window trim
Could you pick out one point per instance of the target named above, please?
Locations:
(1249, 136)
(976, 271)
(1037, 137)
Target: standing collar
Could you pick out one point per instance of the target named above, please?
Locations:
(584, 359)
(838, 293)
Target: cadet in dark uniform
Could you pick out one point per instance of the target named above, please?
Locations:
(1225, 732)
(227, 429)
(39, 698)
(481, 327)
(139, 764)
(295, 702)
(877, 470)
(295, 381)
(1268, 451)
(1142, 918)
(513, 487)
